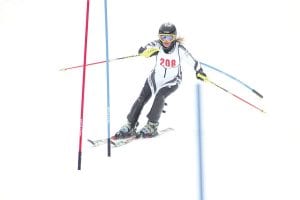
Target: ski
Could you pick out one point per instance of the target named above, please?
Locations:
(121, 142)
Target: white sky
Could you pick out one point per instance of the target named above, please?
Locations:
(247, 154)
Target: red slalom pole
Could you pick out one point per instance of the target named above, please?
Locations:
(83, 84)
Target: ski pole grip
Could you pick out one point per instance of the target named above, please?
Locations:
(202, 77)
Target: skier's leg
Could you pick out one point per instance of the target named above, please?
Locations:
(140, 102)
(159, 102)
(129, 128)
(150, 129)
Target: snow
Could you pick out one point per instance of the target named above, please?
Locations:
(246, 154)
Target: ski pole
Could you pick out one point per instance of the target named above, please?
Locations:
(99, 62)
(204, 64)
(234, 78)
(227, 91)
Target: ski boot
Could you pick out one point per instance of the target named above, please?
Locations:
(149, 130)
(126, 131)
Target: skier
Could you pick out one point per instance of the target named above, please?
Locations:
(163, 80)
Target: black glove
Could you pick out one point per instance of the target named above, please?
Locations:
(141, 50)
(200, 74)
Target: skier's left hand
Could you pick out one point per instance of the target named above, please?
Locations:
(201, 75)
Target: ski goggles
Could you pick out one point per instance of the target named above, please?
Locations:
(167, 37)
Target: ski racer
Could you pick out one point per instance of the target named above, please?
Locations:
(162, 81)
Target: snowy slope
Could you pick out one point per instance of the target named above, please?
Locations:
(247, 154)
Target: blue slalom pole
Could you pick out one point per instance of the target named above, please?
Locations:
(107, 80)
(234, 78)
(200, 141)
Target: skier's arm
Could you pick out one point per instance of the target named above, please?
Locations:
(189, 59)
(149, 50)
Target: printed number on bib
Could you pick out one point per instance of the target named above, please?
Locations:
(167, 62)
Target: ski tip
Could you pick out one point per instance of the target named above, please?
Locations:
(92, 142)
(167, 129)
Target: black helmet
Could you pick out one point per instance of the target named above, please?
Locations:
(167, 28)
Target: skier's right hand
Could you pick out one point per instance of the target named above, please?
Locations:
(148, 52)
